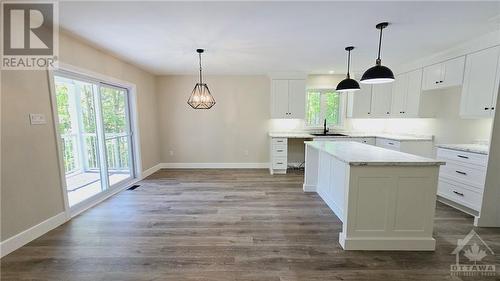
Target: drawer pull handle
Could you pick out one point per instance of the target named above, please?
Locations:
(464, 157)
(279, 150)
(280, 163)
(279, 141)
(462, 173)
(458, 193)
(391, 143)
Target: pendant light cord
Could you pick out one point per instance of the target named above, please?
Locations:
(201, 81)
(379, 46)
(348, 63)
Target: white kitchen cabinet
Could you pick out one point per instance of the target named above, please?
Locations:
(288, 98)
(443, 75)
(359, 103)
(462, 179)
(406, 94)
(481, 79)
(381, 100)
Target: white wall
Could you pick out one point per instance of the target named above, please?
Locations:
(233, 131)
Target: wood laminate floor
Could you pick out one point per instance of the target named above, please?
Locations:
(225, 225)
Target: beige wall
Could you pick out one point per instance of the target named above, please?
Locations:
(30, 181)
(237, 124)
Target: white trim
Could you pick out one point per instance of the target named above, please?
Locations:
(214, 165)
(309, 188)
(17, 241)
(150, 171)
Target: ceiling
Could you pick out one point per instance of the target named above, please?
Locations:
(268, 37)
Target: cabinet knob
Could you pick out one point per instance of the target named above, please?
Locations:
(437, 82)
(492, 108)
(387, 112)
(369, 112)
(440, 81)
(486, 108)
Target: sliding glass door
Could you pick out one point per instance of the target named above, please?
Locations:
(95, 135)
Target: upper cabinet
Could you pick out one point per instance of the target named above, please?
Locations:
(359, 103)
(481, 81)
(381, 100)
(370, 101)
(407, 95)
(288, 98)
(445, 74)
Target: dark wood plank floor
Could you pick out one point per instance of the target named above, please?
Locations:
(225, 225)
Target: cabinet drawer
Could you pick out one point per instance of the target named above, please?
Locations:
(462, 157)
(279, 163)
(460, 194)
(275, 141)
(279, 150)
(464, 173)
(389, 144)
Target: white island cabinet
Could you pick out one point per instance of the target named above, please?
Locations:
(384, 198)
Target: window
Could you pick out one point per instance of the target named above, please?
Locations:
(323, 104)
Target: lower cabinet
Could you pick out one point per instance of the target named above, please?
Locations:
(461, 180)
(279, 155)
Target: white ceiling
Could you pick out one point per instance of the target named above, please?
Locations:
(267, 37)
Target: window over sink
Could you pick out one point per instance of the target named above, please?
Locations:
(323, 104)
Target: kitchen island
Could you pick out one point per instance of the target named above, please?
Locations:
(384, 198)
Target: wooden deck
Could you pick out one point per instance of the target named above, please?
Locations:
(225, 225)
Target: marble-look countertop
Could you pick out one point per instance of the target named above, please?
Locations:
(291, 135)
(357, 154)
(305, 135)
(471, 147)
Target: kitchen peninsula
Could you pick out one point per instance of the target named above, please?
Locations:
(384, 198)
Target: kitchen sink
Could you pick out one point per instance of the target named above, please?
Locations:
(329, 135)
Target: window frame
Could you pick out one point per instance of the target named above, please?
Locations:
(342, 108)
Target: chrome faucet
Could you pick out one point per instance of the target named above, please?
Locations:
(325, 129)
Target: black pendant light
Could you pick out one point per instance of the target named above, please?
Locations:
(348, 84)
(378, 74)
(201, 98)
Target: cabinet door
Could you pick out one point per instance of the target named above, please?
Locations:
(480, 83)
(432, 76)
(453, 72)
(297, 99)
(412, 101)
(399, 90)
(279, 108)
(381, 100)
(359, 102)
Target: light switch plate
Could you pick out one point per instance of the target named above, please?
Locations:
(37, 119)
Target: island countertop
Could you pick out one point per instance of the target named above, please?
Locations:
(356, 154)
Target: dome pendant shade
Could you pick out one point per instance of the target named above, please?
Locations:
(378, 74)
(200, 97)
(348, 84)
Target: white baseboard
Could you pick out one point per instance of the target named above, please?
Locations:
(150, 171)
(214, 165)
(30, 234)
(309, 187)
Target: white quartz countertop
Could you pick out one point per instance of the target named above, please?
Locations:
(291, 135)
(357, 154)
(471, 147)
(305, 135)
